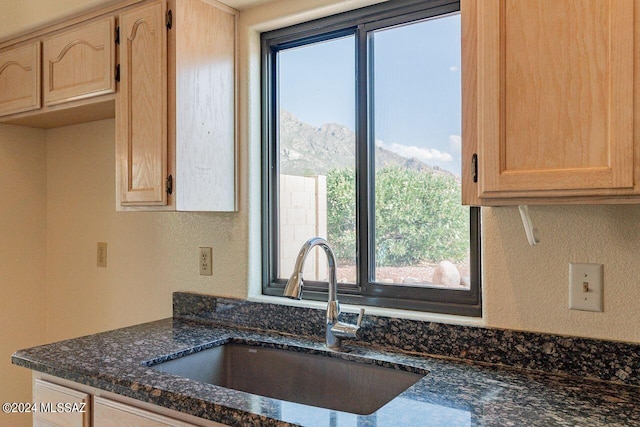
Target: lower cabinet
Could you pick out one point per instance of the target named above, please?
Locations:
(107, 413)
(58, 406)
(62, 403)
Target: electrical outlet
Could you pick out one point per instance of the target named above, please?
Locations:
(205, 262)
(586, 287)
(102, 255)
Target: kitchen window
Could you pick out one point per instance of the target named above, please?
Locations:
(361, 146)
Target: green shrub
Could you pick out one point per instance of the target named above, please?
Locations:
(418, 217)
(341, 214)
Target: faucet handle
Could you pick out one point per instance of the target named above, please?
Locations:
(342, 330)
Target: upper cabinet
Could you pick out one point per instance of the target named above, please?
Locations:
(20, 79)
(176, 127)
(202, 105)
(70, 79)
(165, 69)
(548, 102)
(79, 63)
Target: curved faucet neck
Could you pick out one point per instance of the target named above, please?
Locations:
(335, 330)
(331, 260)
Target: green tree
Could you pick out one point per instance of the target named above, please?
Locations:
(418, 216)
(341, 213)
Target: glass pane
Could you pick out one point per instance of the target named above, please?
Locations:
(421, 230)
(316, 85)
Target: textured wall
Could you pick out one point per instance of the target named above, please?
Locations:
(22, 258)
(303, 214)
(527, 287)
(150, 254)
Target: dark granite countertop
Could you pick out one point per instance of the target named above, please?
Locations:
(453, 393)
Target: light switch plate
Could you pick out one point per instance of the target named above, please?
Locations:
(586, 287)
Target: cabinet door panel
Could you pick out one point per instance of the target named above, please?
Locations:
(107, 413)
(76, 403)
(79, 63)
(20, 79)
(142, 111)
(204, 106)
(555, 95)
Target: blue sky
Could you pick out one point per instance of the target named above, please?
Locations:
(417, 86)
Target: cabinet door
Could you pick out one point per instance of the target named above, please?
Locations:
(141, 146)
(202, 44)
(79, 63)
(555, 95)
(75, 410)
(20, 79)
(107, 413)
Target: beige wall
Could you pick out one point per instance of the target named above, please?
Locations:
(527, 287)
(149, 254)
(21, 15)
(22, 257)
(303, 214)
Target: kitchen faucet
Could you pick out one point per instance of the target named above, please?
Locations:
(336, 330)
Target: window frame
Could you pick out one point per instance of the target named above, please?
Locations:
(360, 23)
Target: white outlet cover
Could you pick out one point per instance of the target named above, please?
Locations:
(592, 276)
(102, 255)
(204, 260)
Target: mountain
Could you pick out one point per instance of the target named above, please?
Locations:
(308, 150)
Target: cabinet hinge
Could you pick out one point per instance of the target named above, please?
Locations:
(117, 40)
(474, 167)
(169, 19)
(169, 184)
(117, 73)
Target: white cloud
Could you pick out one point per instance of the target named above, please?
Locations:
(455, 144)
(426, 155)
(454, 68)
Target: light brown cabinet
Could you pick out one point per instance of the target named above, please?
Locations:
(107, 413)
(20, 79)
(548, 101)
(175, 127)
(62, 403)
(59, 406)
(174, 105)
(141, 146)
(79, 63)
(60, 77)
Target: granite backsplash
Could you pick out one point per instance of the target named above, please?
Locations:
(585, 358)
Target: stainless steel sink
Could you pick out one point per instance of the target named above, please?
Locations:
(358, 387)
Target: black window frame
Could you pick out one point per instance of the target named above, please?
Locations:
(359, 22)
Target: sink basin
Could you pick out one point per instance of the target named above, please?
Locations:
(356, 386)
